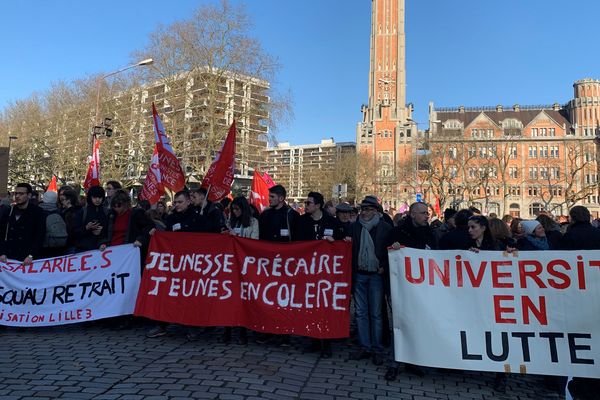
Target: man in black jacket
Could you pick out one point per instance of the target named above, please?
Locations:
(279, 222)
(413, 231)
(316, 224)
(210, 215)
(458, 238)
(184, 218)
(22, 228)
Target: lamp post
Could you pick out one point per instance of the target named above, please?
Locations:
(103, 127)
(10, 139)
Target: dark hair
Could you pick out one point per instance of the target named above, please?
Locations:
(475, 210)
(278, 190)
(144, 205)
(499, 229)
(72, 196)
(96, 191)
(114, 184)
(547, 222)
(449, 213)
(63, 188)
(121, 196)
(25, 186)
(183, 193)
(461, 218)
(162, 203)
(34, 194)
(244, 219)
(318, 198)
(225, 202)
(507, 218)
(200, 190)
(579, 214)
(414, 205)
(487, 234)
(514, 226)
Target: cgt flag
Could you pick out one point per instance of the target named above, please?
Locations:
(171, 174)
(153, 188)
(259, 191)
(219, 177)
(92, 177)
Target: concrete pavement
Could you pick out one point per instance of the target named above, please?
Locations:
(97, 362)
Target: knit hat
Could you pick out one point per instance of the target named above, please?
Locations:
(50, 197)
(529, 226)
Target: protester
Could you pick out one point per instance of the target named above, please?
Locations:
(581, 235)
(552, 229)
(413, 231)
(111, 189)
(317, 224)
(22, 228)
(458, 238)
(369, 266)
(342, 213)
(278, 223)
(516, 228)
(70, 205)
(481, 236)
(55, 238)
(241, 222)
(210, 215)
(91, 221)
(534, 237)
(446, 226)
(501, 233)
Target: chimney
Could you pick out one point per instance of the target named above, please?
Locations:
(516, 108)
(499, 108)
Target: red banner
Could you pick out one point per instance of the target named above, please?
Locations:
(219, 177)
(153, 188)
(259, 191)
(170, 169)
(92, 177)
(300, 288)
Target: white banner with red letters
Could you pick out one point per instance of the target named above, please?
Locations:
(75, 288)
(531, 312)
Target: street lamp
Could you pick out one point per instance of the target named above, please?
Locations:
(103, 127)
(10, 139)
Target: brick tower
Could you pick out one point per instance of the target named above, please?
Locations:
(386, 134)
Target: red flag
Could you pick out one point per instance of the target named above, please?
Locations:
(93, 173)
(436, 207)
(170, 169)
(153, 188)
(259, 191)
(219, 177)
(52, 185)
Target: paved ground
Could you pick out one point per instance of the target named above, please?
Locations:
(96, 362)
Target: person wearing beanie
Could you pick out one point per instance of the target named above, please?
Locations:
(534, 237)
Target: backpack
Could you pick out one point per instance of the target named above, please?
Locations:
(56, 231)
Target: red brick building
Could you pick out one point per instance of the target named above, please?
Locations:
(518, 160)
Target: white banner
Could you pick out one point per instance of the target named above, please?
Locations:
(535, 312)
(75, 288)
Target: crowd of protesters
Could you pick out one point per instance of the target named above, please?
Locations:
(64, 222)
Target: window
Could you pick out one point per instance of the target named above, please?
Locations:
(535, 208)
(532, 152)
(514, 190)
(513, 172)
(472, 151)
(533, 190)
(474, 133)
(534, 132)
(452, 152)
(533, 173)
(453, 172)
(554, 152)
(513, 151)
(542, 131)
(555, 172)
(544, 172)
(552, 132)
(544, 151)
(472, 172)
(490, 133)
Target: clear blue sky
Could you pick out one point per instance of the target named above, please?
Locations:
(470, 52)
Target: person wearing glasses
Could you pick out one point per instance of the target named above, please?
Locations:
(22, 228)
(317, 224)
(369, 267)
(415, 232)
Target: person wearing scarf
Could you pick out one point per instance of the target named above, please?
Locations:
(369, 264)
(534, 237)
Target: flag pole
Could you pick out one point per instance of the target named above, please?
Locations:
(204, 201)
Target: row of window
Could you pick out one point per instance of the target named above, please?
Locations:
(478, 133)
(512, 190)
(544, 172)
(543, 152)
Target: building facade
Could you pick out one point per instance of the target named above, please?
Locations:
(387, 137)
(517, 160)
(196, 109)
(313, 167)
